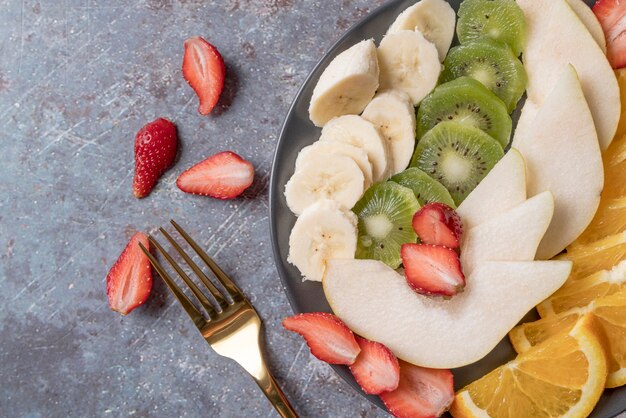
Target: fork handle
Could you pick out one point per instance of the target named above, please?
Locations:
(276, 396)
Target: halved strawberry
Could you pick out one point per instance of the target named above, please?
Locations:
(612, 16)
(129, 281)
(376, 369)
(432, 269)
(156, 145)
(421, 393)
(204, 70)
(224, 176)
(438, 224)
(328, 338)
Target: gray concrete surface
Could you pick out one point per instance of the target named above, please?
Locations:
(78, 78)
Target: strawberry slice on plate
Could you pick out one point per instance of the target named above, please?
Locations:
(328, 338)
(223, 176)
(205, 71)
(376, 368)
(612, 17)
(432, 269)
(129, 281)
(438, 224)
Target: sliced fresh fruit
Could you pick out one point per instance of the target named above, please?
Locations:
(156, 145)
(599, 255)
(612, 17)
(609, 220)
(621, 81)
(347, 85)
(458, 156)
(422, 392)
(589, 19)
(394, 115)
(410, 63)
(426, 189)
(376, 368)
(385, 214)
(223, 176)
(432, 269)
(435, 19)
(563, 377)
(438, 224)
(466, 102)
(491, 63)
(322, 232)
(205, 71)
(328, 338)
(614, 169)
(129, 281)
(500, 20)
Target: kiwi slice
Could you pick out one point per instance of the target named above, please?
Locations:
(491, 63)
(501, 20)
(426, 189)
(468, 102)
(458, 156)
(385, 215)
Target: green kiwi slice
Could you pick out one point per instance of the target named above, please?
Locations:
(426, 189)
(468, 102)
(491, 63)
(458, 156)
(501, 20)
(385, 215)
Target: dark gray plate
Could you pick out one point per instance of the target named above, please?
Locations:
(299, 132)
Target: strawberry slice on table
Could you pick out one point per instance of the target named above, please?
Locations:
(328, 338)
(129, 281)
(432, 269)
(156, 145)
(422, 392)
(438, 224)
(612, 17)
(376, 368)
(223, 176)
(204, 70)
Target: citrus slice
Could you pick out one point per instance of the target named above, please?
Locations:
(609, 220)
(621, 80)
(564, 376)
(598, 255)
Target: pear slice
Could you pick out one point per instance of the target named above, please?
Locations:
(562, 155)
(585, 14)
(377, 303)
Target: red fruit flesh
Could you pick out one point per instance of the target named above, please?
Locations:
(432, 269)
(376, 369)
(223, 176)
(438, 224)
(328, 338)
(612, 17)
(422, 392)
(155, 150)
(204, 70)
(129, 281)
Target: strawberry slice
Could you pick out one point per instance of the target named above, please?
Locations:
(223, 176)
(421, 393)
(156, 145)
(204, 70)
(438, 224)
(328, 338)
(612, 16)
(129, 281)
(432, 269)
(376, 369)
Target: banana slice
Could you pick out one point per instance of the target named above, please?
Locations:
(394, 116)
(333, 147)
(356, 131)
(435, 19)
(410, 63)
(333, 177)
(323, 232)
(347, 85)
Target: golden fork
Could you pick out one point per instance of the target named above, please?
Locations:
(232, 326)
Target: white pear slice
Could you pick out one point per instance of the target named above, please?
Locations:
(503, 189)
(512, 236)
(562, 155)
(585, 14)
(556, 37)
(376, 302)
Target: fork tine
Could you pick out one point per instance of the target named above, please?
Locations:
(230, 287)
(191, 310)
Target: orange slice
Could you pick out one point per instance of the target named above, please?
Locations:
(598, 255)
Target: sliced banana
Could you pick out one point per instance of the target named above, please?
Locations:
(333, 147)
(333, 177)
(323, 232)
(356, 131)
(347, 85)
(394, 115)
(435, 19)
(410, 63)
